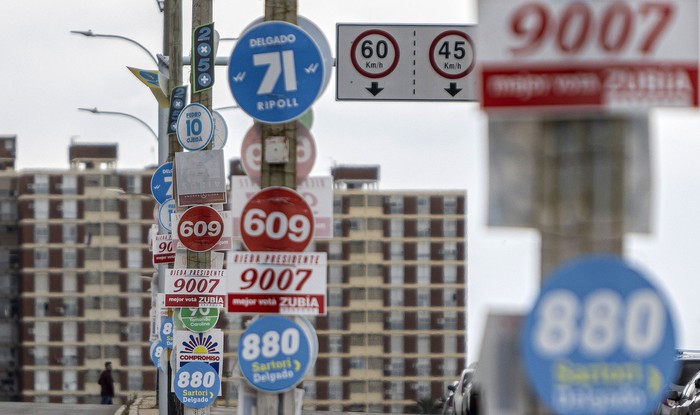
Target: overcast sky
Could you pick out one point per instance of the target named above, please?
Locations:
(47, 73)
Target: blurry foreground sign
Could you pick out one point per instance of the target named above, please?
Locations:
(597, 54)
(513, 162)
(600, 339)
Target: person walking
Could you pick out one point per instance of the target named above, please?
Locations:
(106, 382)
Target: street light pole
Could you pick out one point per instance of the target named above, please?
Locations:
(90, 33)
(133, 117)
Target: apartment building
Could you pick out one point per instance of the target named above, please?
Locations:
(77, 272)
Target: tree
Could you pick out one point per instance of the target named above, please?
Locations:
(428, 406)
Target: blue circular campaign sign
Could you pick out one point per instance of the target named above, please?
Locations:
(156, 352)
(197, 384)
(166, 332)
(165, 212)
(274, 354)
(276, 72)
(600, 339)
(162, 183)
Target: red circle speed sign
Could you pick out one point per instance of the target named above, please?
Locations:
(200, 228)
(277, 219)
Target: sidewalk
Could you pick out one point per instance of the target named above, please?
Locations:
(141, 406)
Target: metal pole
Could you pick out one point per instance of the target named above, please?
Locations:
(283, 174)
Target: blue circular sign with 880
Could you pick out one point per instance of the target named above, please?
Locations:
(197, 384)
(599, 340)
(274, 354)
(276, 72)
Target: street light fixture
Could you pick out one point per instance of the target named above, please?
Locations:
(133, 117)
(90, 33)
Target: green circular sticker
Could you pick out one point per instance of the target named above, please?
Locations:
(199, 320)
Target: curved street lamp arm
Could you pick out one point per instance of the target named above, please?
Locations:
(90, 33)
(133, 117)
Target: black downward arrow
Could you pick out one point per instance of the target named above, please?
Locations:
(375, 89)
(453, 90)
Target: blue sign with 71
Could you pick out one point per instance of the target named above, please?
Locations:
(276, 72)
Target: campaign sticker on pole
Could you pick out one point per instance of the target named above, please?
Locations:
(203, 53)
(197, 385)
(199, 320)
(220, 131)
(277, 282)
(166, 332)
(162, 183)
(178, 99)
(207, 347)
(200, 228)
(277, 219)
(165, 212)
(251, 152)
(274, 354)
(599, 339)
(156, 350)
(195, 127)
(163, 249)
(195, 288)
(276, 72)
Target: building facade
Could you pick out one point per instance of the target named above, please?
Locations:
(78, 271)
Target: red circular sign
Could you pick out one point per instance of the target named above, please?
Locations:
(200, 228)
(251, 152)
(375, 53)
(277, 219)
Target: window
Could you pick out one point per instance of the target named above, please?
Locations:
(41, 258)
(70, 233)
(335, 274)
(111, 229)
(93, 205)
(70, 306)
(41, 378)
(335, 250)
(450, 205)
(134, 356)
(41, 184)
(334, 367)
(396, 250)
(423, 250)
(335, 297)
(397, 344)
(41, 334)
(69, 185)
(449, 273)
(424, 297)
(134, 259)
(396, 274)
(70, 282)
(134, 283)
(396, 226)
(395, 204)
(423, 345)
(337, 228)
(337, 204)
(69, 208)
(70, 356)
(111, 205)
(423, 227)
(449, 251)
(396, 297)
(449, 228)
(133, 209)
(133, 184)
(41, 209)
(335, 343)
(70, 258)
(41, 233)
(396, 319)
(134, 305)
(423, 274)
(134, 234)
(423, 320)
(449, 298)
(423, 203)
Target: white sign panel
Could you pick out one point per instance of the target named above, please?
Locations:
(406, 62)
(277, 283)
(317, 191)
(200, 177)
(632, 54)
(195, 288)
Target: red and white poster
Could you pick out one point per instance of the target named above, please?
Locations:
(277, 283)
(195, 288)
(597, 54)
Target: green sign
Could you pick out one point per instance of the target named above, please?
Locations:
(199, 320)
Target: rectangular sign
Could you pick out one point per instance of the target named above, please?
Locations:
(163, 249)
(406, 62)
(200, 177)
(597, 54)
(277, 283)
(195, 288)
(317, 191)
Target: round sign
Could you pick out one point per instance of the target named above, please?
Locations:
(156, 351)
(220, 131)
(200, 228)
(162, 183)
(375, 53)
(276, 72)
(196, 384)
(274, 354)
(452, 54)
(599, 340)
(165, 214)
(251, 152)
(277, 219)
(166, 332)
(195, 127)
(199, 320)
